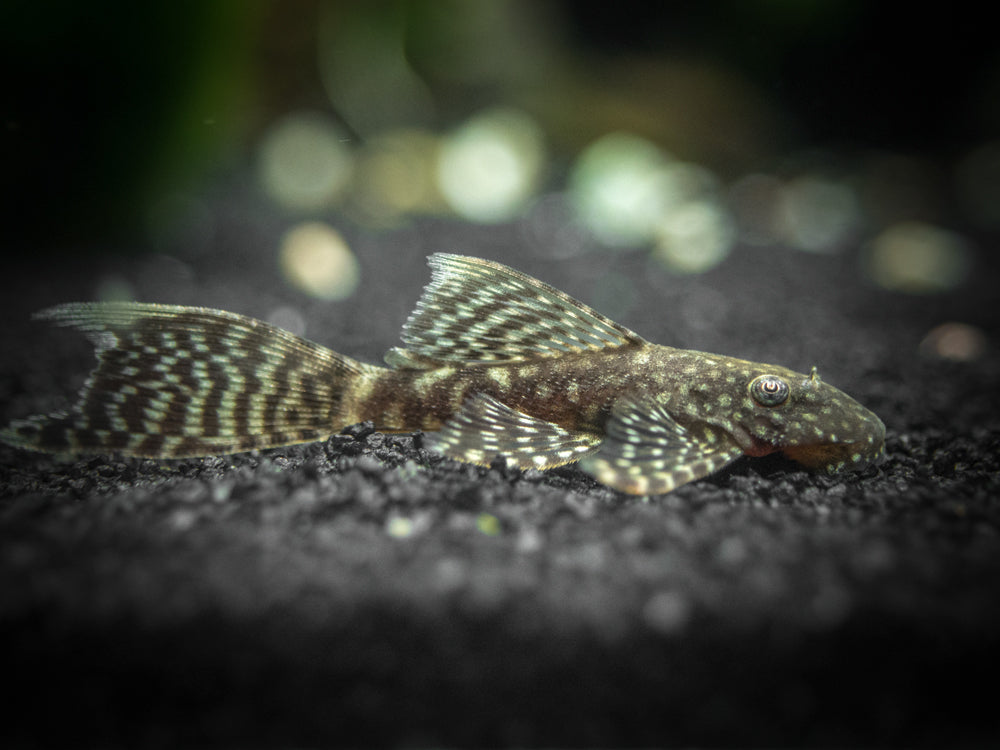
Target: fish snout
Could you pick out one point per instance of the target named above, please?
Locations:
(855, 439)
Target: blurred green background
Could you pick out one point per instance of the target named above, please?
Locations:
(678, 128)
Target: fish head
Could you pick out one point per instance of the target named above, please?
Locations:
(806, 419)
(812, 422)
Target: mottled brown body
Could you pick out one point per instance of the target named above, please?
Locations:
(493, 363)
(576, 391)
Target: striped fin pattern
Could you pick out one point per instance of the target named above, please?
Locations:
(485, 428)
(477, 311)
(648, 452)
(178, 381)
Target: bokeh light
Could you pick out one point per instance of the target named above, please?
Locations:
(918, 258)
(395, 176)
(808, 212)
(316, 259)
(693, 237)
(488, 524)
(958, 342)
(400, 527)
(379, 114)
(489, 168)
(618, 189)
(305, 162)
(817, 215)
(629, 193)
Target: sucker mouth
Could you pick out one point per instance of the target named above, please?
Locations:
(835, 456)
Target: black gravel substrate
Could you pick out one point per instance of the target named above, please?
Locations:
(363, 591)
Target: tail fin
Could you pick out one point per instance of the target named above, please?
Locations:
(188, 381)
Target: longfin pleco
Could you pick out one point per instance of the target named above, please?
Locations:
(499, 363)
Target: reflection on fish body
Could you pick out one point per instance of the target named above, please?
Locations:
(493, 363)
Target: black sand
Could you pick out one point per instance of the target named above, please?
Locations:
(363, 591)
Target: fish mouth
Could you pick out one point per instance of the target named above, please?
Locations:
(861, 447)
(836, 456)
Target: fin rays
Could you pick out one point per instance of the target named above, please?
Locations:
(479, 312)
(485, 428)
(648, 452)
(178, 381)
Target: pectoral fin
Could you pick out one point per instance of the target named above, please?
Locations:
(485, 428)
(647, 452)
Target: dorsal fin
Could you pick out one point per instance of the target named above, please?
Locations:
(477, 311)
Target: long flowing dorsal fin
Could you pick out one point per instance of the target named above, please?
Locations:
(477, 311)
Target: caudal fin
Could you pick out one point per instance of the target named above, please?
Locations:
(178, 381)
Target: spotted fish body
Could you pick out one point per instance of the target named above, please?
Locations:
(493, 363)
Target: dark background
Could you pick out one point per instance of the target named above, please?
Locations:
(110, 105)
(360, 590)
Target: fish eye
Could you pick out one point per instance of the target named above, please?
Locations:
(769, 390)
